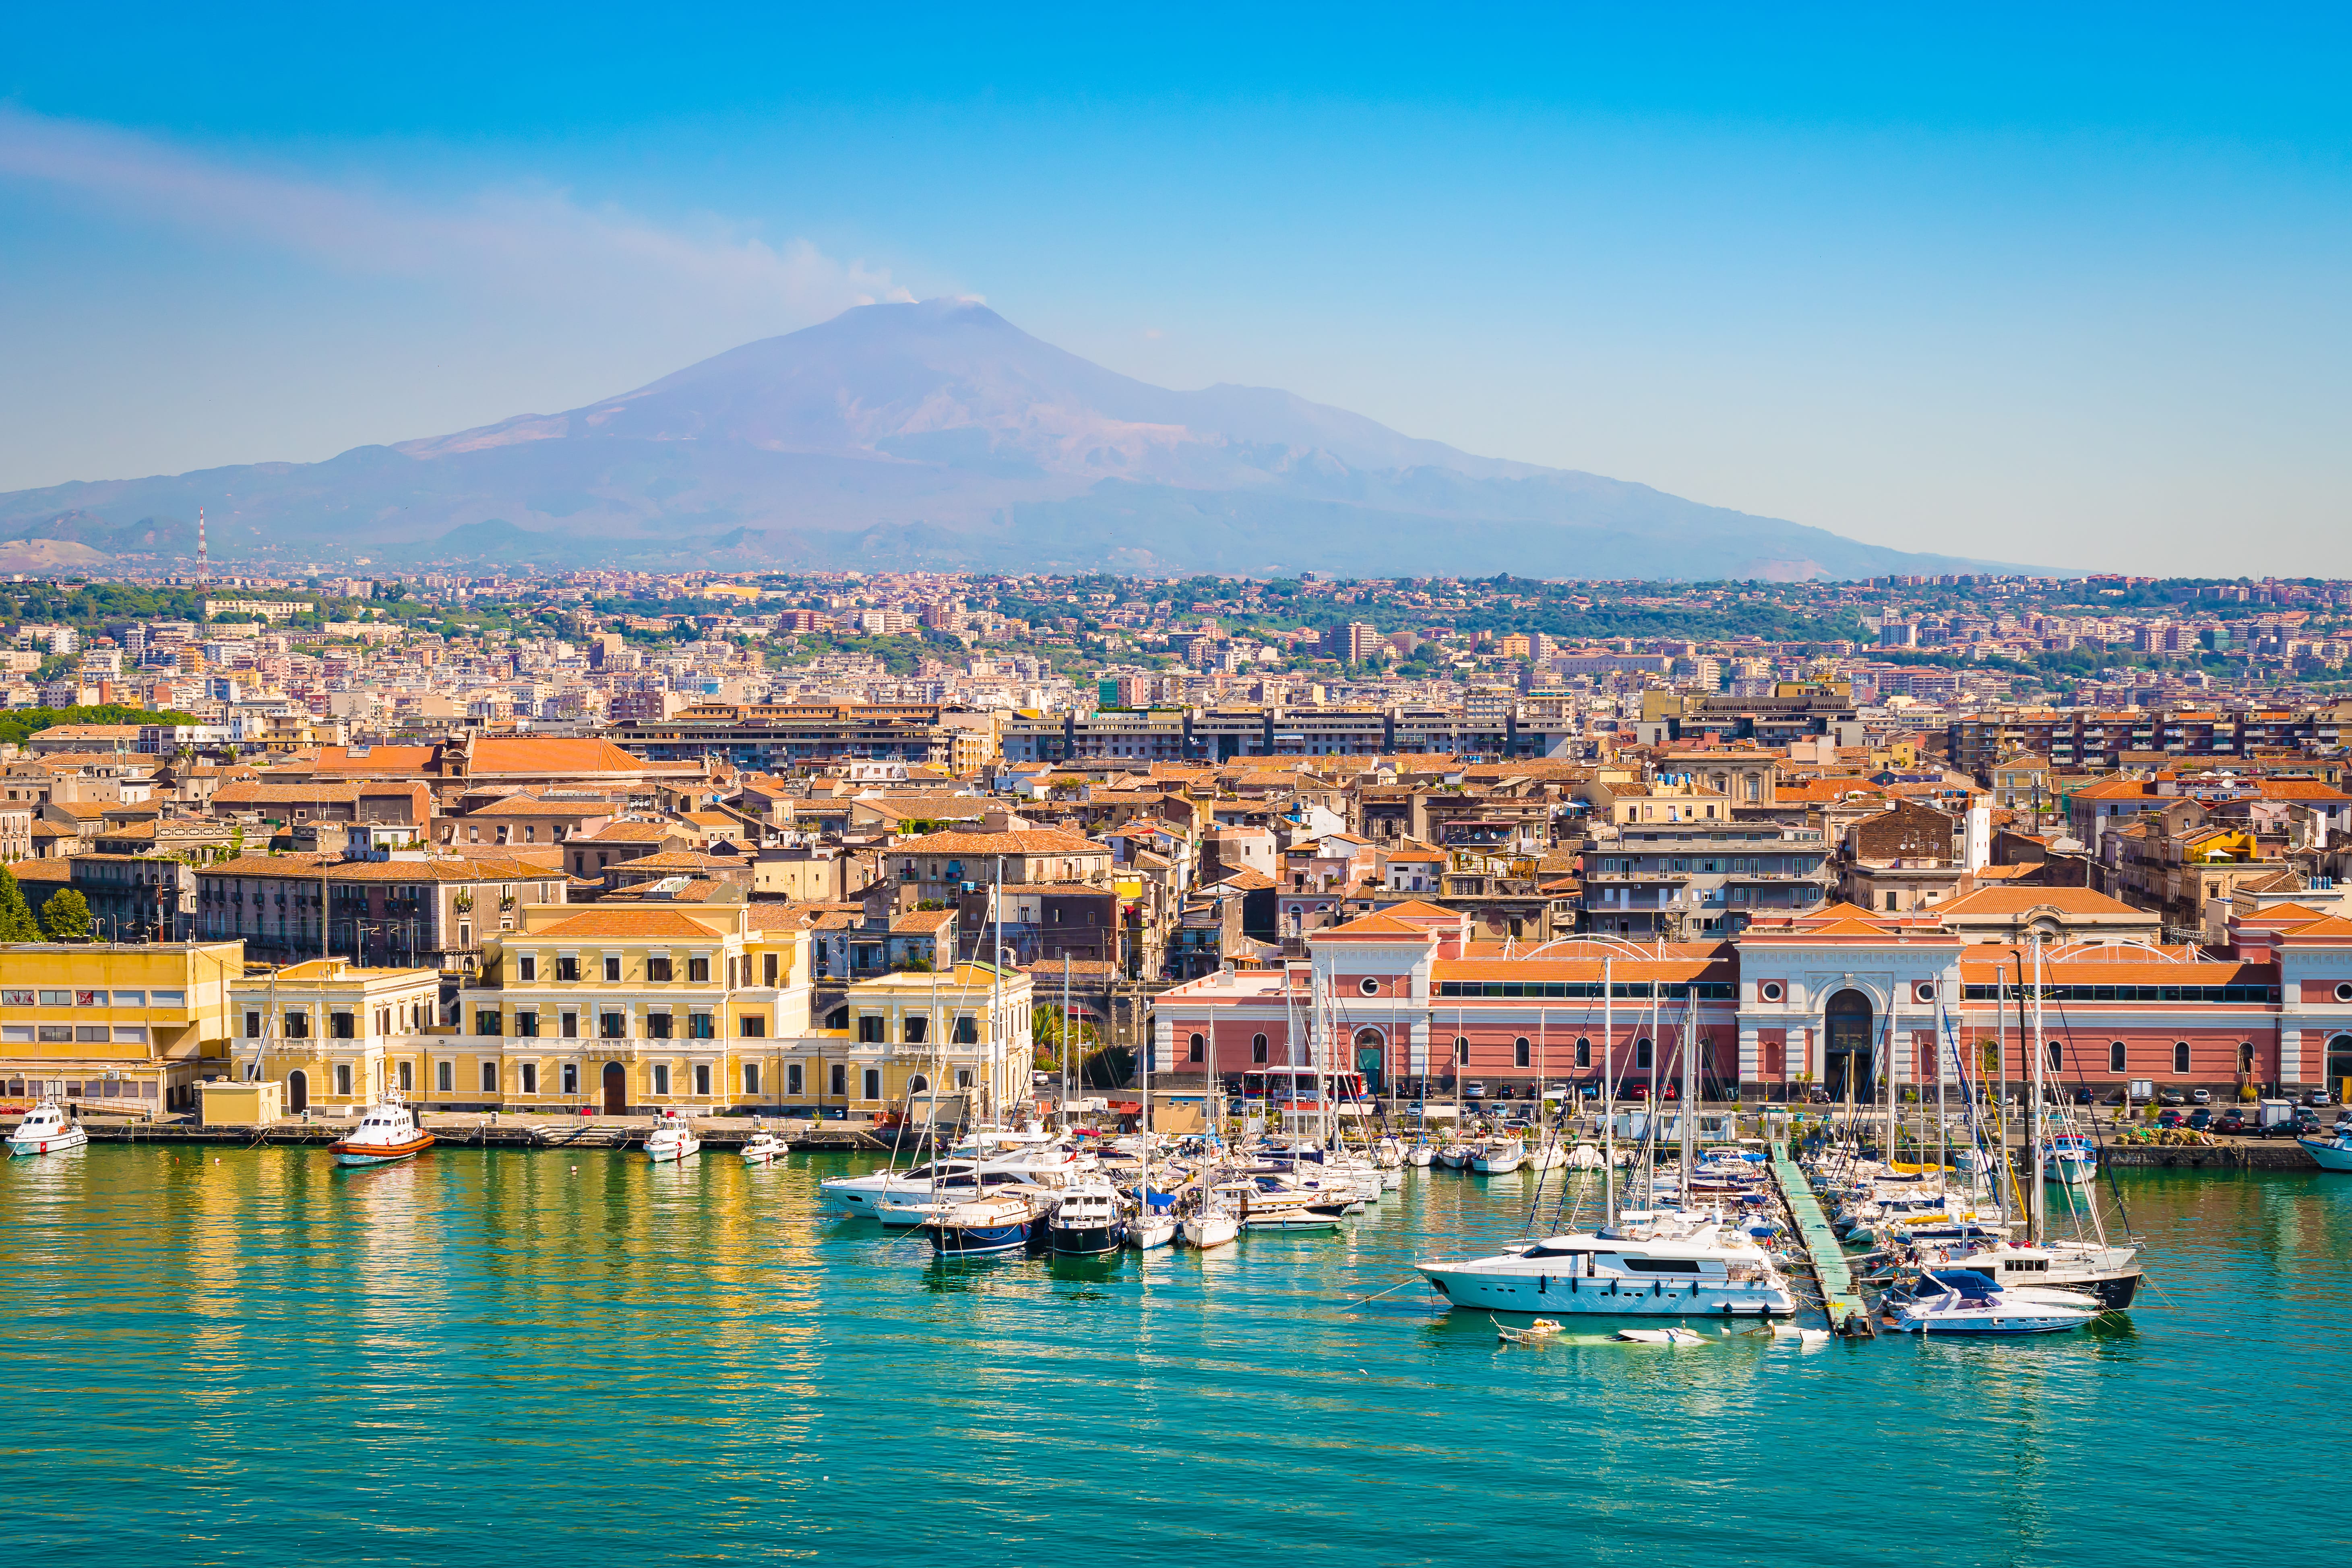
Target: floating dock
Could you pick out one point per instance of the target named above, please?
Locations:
(1840, 1297)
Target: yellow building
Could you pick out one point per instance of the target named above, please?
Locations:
(133, 1026)
(628, 1010)
(335, 1035)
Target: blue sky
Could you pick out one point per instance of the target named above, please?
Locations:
(1992, 282)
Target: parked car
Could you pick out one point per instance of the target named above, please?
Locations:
(2302, 1124)
(2171, 1097)
(2082, 1096)
(2200, 1119)
(1474, 1092)
(2169, 1118)
(2201, 1097)
(2319, 1096)
(2342, 1128)
(2234, 1120)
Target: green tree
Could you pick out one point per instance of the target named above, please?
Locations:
(66, 913)
(15, 918)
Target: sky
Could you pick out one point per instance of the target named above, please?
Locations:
(2060, 286)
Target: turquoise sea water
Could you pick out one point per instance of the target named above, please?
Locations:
(512, 1357)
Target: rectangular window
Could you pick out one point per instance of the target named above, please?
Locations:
(444, 1077)
(612, 969)
(407, 1078)
(571, 1078)
(343, 1027)
(486, 1021)
(343, 1080)
(16, 999)
(130, 1035)
(527, 966)
(841, 1079)
(531, 1077)
(873, 1083)
(89, 998)
(657, 968)
(90, 1033)
(697, 971)
(767, 968)
(751, 1027)
(661, 1078)
(966, 1029)
(527, 1024)
(792, 1078)
(751, 1077)
(702, 1081)
(918, 1028)
(56, 999)
(612, 1026)
(490, 1078)
(568, 1026)
(130, 998)
(298, 1024)
(658, 1026)
(252, 1026)
(567, 966)
(869, 1028)
(55, 1034)
(701, 1027)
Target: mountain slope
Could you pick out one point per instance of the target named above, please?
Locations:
(939, 434)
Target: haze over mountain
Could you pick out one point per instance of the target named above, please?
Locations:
(937, 435)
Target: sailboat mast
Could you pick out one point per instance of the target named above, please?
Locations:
(2036, 1049)
(1608, 1092)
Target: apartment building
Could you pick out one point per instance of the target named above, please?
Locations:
(127, 1026)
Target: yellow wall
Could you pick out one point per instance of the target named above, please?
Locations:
(153, 1048)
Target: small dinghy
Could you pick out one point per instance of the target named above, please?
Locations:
(1675, 1336)
(1535, 1333)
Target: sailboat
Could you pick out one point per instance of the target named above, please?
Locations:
(1152, 1227)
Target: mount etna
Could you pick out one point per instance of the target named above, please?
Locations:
(933, 436)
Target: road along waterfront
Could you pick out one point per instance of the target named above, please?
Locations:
(248, 1356)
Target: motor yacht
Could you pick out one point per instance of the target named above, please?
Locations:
(47, 1128)
(384, 1133)
(1633, 1269)
(889, 1195)
(2333, 1153)
(2070, 1160)
(1087, 1221)
(672, 1139)
(1961, 1301)
(764, 1148)
(972, 1227)
(2111, 1275)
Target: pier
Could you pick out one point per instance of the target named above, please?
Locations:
(464, 1131)
(1840, 1299)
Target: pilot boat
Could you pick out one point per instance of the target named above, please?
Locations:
(385, 1132)
(764, 1148)
(47, 1129)
(672, 1139)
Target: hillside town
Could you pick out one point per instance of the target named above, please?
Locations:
(697, 842)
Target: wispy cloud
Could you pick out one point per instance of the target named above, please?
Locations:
(539, 241)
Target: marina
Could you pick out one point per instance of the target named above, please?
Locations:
(743, 1331)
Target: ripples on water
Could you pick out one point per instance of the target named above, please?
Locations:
(506, 1357)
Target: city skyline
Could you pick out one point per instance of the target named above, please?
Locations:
(1904, 287)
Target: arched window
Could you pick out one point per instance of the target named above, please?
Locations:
(1258, 1047)
(2115, 1055)
(1519, 1052)
(2057, 1057)
(2181, 1055)
(2246, 1059)
(1643, 1056)
(1200, 1048)
(918, 1084)
(1460, 1050)
(1583, 1052)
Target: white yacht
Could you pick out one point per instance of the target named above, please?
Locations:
(47, 1129)
(672, 1139)
(764, 1148)
(967, 1170)
(2111, 1274)
(1499, 1156)
(1963, 1302)
(384, 1133)
(1703, 1270)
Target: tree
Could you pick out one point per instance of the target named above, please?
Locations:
(16, 922)
(67, 915)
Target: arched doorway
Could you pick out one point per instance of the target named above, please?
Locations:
(2339, 1068)
(1847, 1060)
(297, 1091)
(616, 1089)
(1372, 1050)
